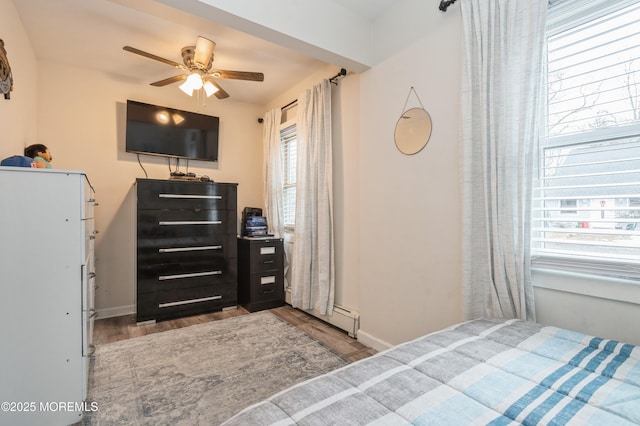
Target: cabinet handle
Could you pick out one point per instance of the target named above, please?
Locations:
(206, 197)
(191, 275)
(92, 274)
(179, 249)
(186, 302)
(268, 280)
(191, 222)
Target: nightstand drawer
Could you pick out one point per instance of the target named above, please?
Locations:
(266, 255)
(267, 286)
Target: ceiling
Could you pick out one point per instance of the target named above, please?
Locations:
(90, 34)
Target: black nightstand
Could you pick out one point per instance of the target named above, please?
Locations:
(260, 273)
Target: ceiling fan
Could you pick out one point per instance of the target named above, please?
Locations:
(198, 65)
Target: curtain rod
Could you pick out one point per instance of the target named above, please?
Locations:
(293, 102)
(341, 73)
(444, 4)
(333, 79)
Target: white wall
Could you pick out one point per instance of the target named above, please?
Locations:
(606, 307)
(410, 240)
(84, 128)
(18, 116)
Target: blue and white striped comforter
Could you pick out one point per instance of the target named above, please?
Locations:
(489, 371)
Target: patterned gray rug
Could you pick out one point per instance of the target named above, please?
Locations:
(202, 374)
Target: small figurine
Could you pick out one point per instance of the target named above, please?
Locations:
(6, 79)
(41, 156)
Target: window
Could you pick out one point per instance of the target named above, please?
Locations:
(289, 145)
(586, 209)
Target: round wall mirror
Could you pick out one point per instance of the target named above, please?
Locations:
(413, 131)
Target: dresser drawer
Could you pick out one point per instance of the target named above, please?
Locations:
(179, 302)
(185, 223)
(172, 275)
(158, 194)
(215, 246)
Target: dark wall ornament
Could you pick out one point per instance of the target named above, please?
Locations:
(6, 79)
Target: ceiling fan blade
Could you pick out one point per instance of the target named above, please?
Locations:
(220, 94)
(154, 57)
(204, 52)
(238, 75)
(170, 80)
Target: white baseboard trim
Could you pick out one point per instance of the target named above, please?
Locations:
(118, 311)
(341, 317)
(368, 339)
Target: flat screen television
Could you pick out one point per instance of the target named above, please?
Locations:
(158, 130)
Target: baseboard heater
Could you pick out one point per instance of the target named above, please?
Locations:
(342, 318)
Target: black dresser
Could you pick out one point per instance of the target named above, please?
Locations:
(260, 273)
(186, 248)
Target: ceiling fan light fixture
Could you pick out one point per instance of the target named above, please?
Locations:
(193, 82)
(209, 88)
(186, 88)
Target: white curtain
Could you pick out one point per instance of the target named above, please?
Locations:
(272, 170)
(502, 75)
(312, 266)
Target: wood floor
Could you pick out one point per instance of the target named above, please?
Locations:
(118, 328)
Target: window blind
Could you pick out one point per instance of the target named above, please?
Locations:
(587, 200)
(289, 160)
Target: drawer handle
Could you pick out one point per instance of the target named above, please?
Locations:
(93, 314)
(205, 197)
(268, 261)
(190, 222)
(92, 274)
(268, 280)
(91, 350)
(179, 249)
(186, 302)
(191, 275)
(268, 291)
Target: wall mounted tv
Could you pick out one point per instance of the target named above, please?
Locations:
(158, 130)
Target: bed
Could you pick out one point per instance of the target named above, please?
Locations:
(487, 371)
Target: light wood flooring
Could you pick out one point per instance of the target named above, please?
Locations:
(109, 330)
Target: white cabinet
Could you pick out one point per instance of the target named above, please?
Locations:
(47, 281)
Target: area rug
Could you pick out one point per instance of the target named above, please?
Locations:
(201, 374)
